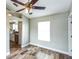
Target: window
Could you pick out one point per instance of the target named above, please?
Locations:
(44, 31)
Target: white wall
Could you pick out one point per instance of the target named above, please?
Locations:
(25, 31)
(58, 31)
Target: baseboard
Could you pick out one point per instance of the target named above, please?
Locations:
(8, 53)
(51, 49)
(25, 45)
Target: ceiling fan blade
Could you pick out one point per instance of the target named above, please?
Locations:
(20, 10)
(33, 2)
(38, 7)
(15, 4)
(18, 2)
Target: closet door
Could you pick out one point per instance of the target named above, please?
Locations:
(20, 31)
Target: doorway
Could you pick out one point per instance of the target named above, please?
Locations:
(15, 35)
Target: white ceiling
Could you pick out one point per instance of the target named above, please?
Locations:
(52, 7)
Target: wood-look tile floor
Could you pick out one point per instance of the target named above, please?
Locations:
(14, 46)
(34, 52)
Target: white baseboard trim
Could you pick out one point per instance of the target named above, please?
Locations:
(8, 53)
(51, 49)
(25, 45)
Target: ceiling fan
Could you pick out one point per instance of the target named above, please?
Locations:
(29, 6)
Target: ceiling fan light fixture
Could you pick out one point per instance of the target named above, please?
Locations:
(29, 6)
(30, 11)
(26, 10)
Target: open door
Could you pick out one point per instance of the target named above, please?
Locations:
(15, 36)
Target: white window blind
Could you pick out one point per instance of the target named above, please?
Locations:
(44, 31)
